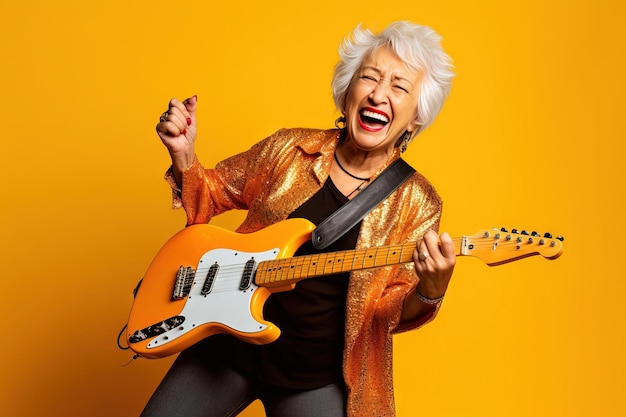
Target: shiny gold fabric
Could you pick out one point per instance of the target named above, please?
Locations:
(275, 177)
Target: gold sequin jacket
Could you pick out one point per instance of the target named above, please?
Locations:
(271, 180)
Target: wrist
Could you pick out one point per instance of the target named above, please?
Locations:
(428, 300)
(181, 161)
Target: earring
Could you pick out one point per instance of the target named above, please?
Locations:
(406, 138)
(340, 123)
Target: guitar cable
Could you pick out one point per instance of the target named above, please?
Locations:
(119, 337)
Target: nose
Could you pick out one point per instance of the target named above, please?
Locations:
(380, 93)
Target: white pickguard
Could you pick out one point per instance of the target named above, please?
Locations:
(226, 303)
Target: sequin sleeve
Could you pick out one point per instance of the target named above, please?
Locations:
(269, 180)
(206, 193)
(177, 201)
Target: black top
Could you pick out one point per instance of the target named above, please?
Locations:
(309, 352)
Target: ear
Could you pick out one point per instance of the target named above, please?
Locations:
(414, 126)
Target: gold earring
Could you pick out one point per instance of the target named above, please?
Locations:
(340, 123)
(406, 138)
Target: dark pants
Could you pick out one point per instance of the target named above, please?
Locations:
(201, 383)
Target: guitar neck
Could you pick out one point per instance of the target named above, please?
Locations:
(287, 271)
(492, 246)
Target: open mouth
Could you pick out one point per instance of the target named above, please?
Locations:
(373, 120)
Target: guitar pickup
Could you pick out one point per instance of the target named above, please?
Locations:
(210, 279)
(248, 272)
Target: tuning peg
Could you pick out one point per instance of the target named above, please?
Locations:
(514, 231)
(561, 238)
(524, 232)
(535, 234)
(504, 229)
(547, 235)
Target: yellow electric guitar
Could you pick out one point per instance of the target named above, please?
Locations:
(207, 280)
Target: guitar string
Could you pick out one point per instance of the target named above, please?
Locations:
(231, 273)
(380, 253)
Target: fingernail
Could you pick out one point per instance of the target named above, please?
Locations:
(189, 121)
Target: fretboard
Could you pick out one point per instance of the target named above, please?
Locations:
(286, 271)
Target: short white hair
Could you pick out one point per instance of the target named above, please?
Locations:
(418, 46)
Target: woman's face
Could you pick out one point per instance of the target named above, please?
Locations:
(381, 103)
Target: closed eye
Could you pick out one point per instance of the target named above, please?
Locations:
(368, 77)
(399, 87)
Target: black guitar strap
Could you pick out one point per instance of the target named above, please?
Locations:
(348, 215)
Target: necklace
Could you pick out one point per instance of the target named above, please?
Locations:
(363, 180)
(344, 170)
(357, 188)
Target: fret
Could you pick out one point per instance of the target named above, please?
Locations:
(286, 271)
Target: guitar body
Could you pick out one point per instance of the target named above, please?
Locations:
(201, 283)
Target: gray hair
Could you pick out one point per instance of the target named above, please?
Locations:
(418, 46)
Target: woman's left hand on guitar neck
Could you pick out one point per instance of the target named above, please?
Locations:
(434, 258)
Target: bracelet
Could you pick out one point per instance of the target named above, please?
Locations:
(429, 301)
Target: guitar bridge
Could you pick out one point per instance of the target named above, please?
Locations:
(183, 282)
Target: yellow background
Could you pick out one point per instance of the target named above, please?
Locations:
(530, 137)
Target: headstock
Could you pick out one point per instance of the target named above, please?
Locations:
(499, 246)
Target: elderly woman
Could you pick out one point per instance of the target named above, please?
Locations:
(334, 356)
